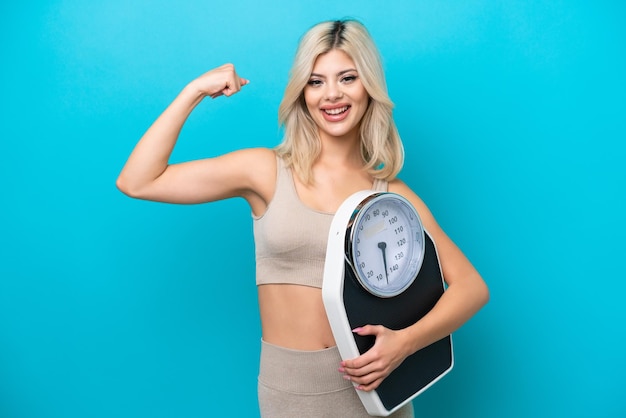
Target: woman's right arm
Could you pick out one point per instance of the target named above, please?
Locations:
(147, 173)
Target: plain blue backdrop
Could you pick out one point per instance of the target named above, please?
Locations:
(513, 115)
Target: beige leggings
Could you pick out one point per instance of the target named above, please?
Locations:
(304, 384)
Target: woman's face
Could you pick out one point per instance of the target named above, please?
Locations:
(335, 96)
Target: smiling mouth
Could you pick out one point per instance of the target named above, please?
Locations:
(336, 111)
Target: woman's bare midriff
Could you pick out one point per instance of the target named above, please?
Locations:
(293, 316)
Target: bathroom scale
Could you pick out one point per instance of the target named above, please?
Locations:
(382, 268)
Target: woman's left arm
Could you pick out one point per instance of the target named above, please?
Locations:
(465, 295)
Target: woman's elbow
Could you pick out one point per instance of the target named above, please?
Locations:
(123, 186)
(482, 293)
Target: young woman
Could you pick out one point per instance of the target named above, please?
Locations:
(339, 138)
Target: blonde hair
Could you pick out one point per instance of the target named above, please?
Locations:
(381, 146)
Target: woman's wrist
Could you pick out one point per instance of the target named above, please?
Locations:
(188, 98)
(194, 91)
(411, 340)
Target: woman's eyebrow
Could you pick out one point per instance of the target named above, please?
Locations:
(340, 73)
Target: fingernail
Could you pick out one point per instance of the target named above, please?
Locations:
(345, 376)
(357, 329)
(341, 370)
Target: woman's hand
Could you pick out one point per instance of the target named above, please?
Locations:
(373, 366)
(222, 80)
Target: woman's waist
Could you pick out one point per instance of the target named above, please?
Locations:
(294, 317)
(293, 336)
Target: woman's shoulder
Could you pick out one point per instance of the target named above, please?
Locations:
(398, 186)
(265, 157)
(256, 160)
(256, 163)
(259, 153)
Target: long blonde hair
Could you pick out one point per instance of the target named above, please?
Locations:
(381, 146)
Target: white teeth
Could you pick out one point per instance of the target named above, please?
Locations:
(336, 111)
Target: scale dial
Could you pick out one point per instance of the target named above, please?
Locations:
(385, 244)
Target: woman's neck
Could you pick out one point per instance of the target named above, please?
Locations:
(341, 151)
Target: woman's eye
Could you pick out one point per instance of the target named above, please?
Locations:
(314, 83)
(349, 78)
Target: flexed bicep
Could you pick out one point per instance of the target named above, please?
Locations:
(247, 173)
(148, 174)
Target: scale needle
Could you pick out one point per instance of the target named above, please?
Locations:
(383, 247)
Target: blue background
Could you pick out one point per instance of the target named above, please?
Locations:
(513, 115)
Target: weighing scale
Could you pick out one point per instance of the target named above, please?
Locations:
(382, 268)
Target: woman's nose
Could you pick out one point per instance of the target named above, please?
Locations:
(333, 91)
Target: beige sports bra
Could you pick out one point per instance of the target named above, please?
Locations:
(290, 238)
